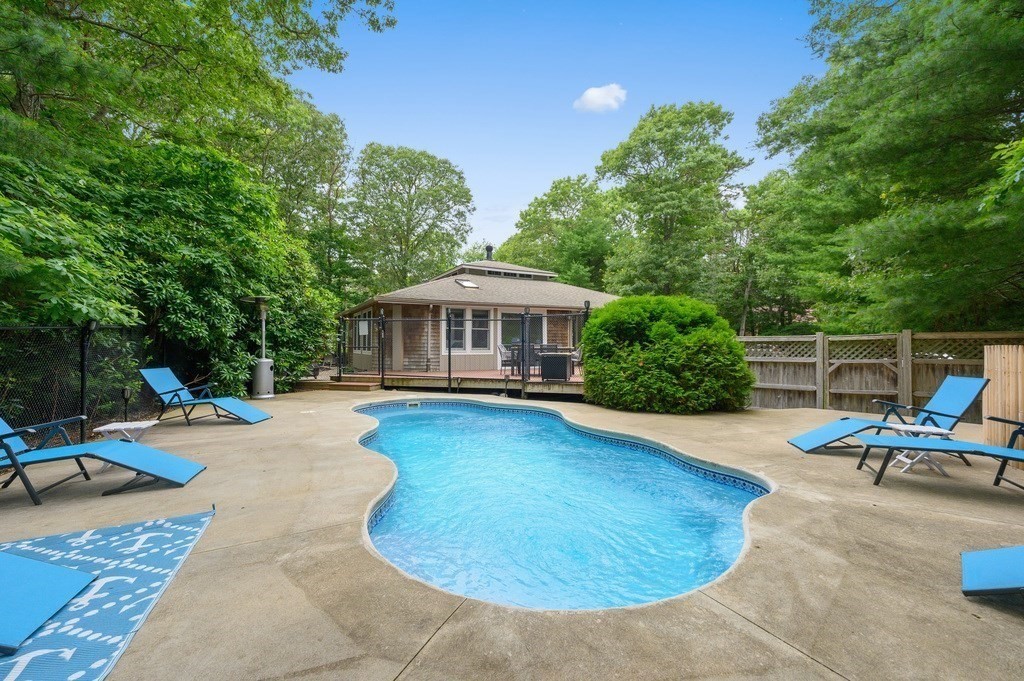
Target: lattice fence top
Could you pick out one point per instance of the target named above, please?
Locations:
(957, 348)
(780, 348)
(861, 348)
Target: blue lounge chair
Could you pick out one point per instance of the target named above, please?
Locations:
(993, 572)
(894, 443)
(173, 394)
(944, 410)
(150, 465)
(35, 591)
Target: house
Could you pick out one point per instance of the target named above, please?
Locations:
(487, 300)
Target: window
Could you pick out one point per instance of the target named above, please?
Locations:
(363, 342)
(474, 336)
(480, 332)
(458, 331)
(466, 283)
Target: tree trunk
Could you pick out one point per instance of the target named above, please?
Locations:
(746, 306)
(26, 102)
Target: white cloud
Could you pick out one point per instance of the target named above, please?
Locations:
(597, 99)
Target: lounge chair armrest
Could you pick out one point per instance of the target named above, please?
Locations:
(892, 409)
(18, 432)
(932, 412)
(893, 405)
(58, 423)
(170, 392)
(1011, 422)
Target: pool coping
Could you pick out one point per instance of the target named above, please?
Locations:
(383, 501)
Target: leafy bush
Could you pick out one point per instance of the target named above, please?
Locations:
(663, 354)
(168, 235)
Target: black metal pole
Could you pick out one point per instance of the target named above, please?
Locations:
(341, 345)
(524, 345)
(448, 334)
(380, 346)
(88, 329)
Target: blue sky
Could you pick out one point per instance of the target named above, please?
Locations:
(490, 84)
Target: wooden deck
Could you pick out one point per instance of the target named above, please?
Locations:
(498, 381)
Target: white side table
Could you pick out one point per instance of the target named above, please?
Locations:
(914, 430)
(133, 431)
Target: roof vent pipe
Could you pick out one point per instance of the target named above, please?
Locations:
(490, 251)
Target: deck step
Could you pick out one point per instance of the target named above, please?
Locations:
(361, 386)
(359, 378)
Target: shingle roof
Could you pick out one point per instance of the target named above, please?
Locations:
(495, 265)
(496, 292)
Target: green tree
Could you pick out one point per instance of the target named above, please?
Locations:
(111, 68)
(676, 176)
(410, 211)
(893, 151)
(474, 251)
(571, 229)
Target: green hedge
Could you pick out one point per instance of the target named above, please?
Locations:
(664, 354)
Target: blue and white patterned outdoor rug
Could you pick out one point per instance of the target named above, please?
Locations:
(133, 565)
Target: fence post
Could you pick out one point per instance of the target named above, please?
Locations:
(85, 339)
(448, 336)
(524, 360)
(905, 367)
(381, 337)
(821, 370)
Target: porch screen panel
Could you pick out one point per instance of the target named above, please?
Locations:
(512, 333)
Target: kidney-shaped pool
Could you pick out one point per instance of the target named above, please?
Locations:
(518, 507)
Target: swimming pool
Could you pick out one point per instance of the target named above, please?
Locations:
(518, 507)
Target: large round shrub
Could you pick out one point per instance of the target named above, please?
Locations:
(663, 354)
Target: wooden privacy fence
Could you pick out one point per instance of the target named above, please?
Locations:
(847, 372)
(1004, 396)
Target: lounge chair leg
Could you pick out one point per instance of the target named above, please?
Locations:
(885, 464)
(1000, 472)
(140, 480)
(863, 458)
(81, 467)
(19, 472)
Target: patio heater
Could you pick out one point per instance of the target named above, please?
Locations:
(263, 372)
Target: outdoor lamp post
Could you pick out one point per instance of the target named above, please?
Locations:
(263, 372)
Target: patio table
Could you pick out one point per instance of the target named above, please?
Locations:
(914, 430)
(132, 431)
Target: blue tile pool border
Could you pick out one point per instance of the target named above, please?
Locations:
(385, 503)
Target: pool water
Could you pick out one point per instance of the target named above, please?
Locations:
(515, 507)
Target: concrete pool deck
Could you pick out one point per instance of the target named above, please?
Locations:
(841, 579)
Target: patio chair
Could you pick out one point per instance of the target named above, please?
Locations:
(506, 357)
(172, 394)
(150, 465)
(36, 590)
(893, 443)
(577, 359)
(992, 572)
(944, 410)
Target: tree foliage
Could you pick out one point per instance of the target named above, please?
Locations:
(676, 175)
(176, 237)
(155, 167)
(894, 150)
(572, 229)
(410, 211)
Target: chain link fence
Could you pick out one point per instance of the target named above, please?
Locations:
(52, 373)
